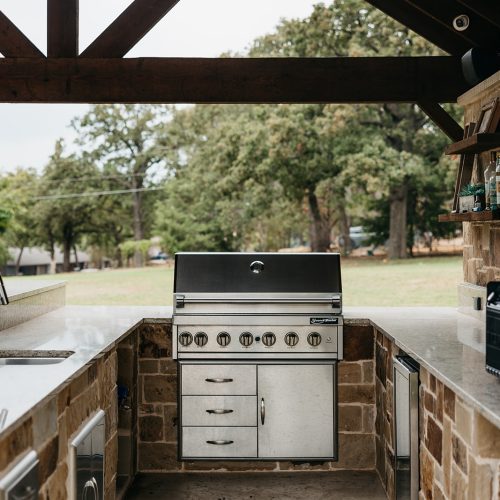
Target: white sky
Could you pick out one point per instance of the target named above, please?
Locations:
(203, 28)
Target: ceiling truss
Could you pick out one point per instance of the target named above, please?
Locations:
(100, 73)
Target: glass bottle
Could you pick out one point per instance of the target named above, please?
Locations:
(493, 184)
(487, 184)
(497, 172)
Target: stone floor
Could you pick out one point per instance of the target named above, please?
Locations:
(343, 485)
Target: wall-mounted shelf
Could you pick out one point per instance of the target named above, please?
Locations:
(485, 215)
(476, 143)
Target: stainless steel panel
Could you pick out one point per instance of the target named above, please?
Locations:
(329, 343)
(21, 482)
(219, 411)
(219, 442)
(297, 405)
(197, 379)
(405, 428)
(87, 460)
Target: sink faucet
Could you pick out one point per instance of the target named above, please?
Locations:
(3, 417)
(4, 299)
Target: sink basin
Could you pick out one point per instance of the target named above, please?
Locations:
(31, 361)
(33, 358)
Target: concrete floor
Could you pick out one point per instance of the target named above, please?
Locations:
(341, 485)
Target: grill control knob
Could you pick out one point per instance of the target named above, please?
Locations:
(185, 338)
(291, 339)
(246, 339)
(314, 339)
(268, 339)
(223, 339)
(200, 339)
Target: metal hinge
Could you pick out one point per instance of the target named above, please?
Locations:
(179, 301)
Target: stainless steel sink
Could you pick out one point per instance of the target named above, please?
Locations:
(31, 361)
(33, 358)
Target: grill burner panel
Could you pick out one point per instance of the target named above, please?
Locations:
(257, 305)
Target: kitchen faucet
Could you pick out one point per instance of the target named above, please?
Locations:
(4, 299)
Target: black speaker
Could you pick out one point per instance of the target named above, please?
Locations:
(478, 64)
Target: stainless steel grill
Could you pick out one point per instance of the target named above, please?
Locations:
(256, 310)
(257, 338)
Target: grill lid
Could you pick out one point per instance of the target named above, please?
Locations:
(260, 273)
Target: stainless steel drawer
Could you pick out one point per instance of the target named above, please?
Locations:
(219, 442)
(219, 410)
(218, 380)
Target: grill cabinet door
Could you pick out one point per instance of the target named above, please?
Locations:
(297, 411)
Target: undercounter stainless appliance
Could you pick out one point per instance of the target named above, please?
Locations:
(86, 460)
(257, 337)
(405, 427)
(493, 328)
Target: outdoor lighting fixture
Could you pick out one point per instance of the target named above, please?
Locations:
(461, 23)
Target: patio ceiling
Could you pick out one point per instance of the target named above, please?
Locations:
(100, 73)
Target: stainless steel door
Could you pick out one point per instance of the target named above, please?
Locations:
(406, 428)
(297, 411)
(87, 460)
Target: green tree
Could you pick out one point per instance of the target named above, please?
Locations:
(19, 219)
(66, 208)
(125, 141)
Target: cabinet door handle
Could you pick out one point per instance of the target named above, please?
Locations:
(219, 380)
(262, 411)
(219, 412)
(220, 442)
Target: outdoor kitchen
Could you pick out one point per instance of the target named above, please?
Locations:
(257, 369)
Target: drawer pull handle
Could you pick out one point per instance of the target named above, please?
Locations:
(219, 380)
(219, 412)
(221, 442)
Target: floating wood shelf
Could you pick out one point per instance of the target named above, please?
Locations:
(476, 143)
(485, 215)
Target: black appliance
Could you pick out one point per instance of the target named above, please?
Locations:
(493, 328)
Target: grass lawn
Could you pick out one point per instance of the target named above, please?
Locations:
(429, 281)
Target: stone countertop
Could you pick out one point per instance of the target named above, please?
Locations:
(87, 331)
(447, 343)
(18, 289)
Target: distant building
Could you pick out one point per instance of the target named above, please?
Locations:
(37, 261)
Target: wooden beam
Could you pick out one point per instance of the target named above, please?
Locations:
(128, 28)
(487, 9)
(62, 28)
(232, 80)
(418, 22)
(13, 42)
(480, 33)
(443, 120)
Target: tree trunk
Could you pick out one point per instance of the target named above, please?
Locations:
(75, 253)
(67, 256)
(344, 230)
(397, 229)
(319, 229)
(18, 260)
(138, 229)
(53, 266)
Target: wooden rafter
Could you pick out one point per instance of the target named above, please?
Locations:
(13, 42)
(480, 33)
(418, 22)
(232, 80)
(62, 28)
(443, 120)
(128, 28)
(487, 9)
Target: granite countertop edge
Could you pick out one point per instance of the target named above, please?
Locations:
(408, 328)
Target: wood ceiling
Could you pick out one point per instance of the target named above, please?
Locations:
(100, 74)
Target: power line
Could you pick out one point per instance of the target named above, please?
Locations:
(94, 193)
